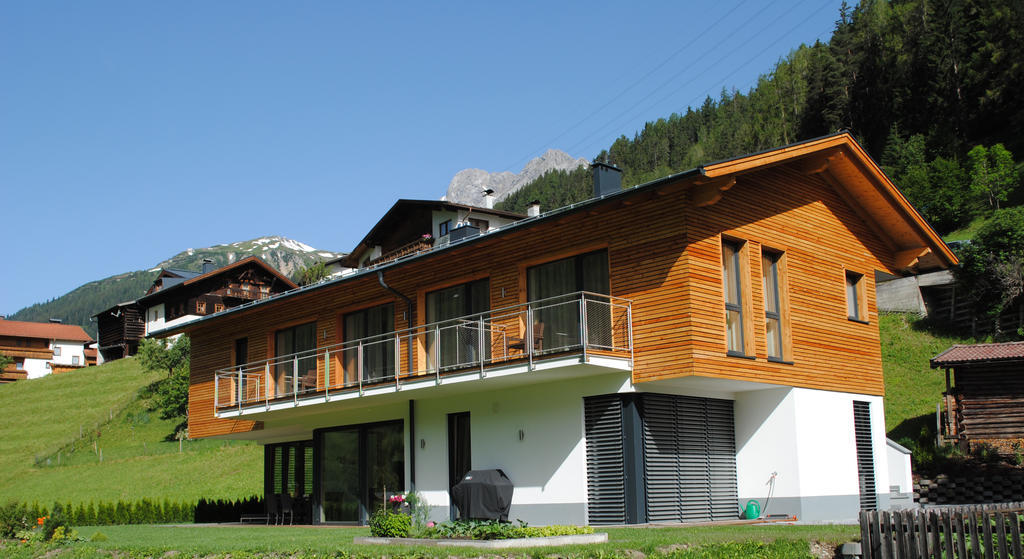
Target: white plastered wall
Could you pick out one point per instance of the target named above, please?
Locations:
(154, 318)
(68, 350)
(35, 368)
(807, 438)
(547, 467)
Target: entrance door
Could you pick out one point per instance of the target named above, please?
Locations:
(459, 452)
(288, 480)
(359, 464)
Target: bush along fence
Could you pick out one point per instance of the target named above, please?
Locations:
(146, 511)
(945, 490)
(989, 531)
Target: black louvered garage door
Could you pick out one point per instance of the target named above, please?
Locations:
(865, 455)
(689, 454)
(606, 492)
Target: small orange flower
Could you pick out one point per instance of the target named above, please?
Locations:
(40, 520)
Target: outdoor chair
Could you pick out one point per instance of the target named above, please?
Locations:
(538, 339)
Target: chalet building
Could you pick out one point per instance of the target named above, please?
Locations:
(653, 354)
(984, 397)
(178, 296)
(414, 226)
(41, 348)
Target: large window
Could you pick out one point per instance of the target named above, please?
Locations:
(557, 314)
(299, 372)
(732, 279)
(771, 270)
(461, 338)
(370, 351)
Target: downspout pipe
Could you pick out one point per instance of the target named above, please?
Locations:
(409, 309)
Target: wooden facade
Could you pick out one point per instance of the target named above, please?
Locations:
(120, 328)
(664, 253)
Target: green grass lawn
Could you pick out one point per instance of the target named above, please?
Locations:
(719, 541)
(912, 388)
(108, 405)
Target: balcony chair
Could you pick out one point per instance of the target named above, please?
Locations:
(538, 340)
(287, 509)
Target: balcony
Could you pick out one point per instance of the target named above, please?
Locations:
(540, 336)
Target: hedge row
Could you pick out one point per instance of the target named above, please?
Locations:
(145, 511)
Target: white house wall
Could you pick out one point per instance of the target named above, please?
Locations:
(154, 318)
(807, 438)
(69, 350)
(36, 368)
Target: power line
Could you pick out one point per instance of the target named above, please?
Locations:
(586, 142)
(636, 82)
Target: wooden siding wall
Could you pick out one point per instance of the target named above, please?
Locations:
(821, 237)
(663, 254)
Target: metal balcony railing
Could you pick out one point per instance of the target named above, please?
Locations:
(582, 322)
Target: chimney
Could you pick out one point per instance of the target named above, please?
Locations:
(489, 199)
(207, 265)
(534, 209)
(607, 179)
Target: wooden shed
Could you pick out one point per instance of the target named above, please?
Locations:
(984, 397)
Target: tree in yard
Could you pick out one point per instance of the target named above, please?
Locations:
(170, 395)
(993, 176)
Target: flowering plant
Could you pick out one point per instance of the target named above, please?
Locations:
(399, 498)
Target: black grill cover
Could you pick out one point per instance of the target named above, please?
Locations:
(483, 495)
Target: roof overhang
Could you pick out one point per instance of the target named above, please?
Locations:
(841, 162)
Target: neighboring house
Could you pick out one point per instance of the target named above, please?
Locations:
(178, 296)
(337, 266)
(654, 354)
(120, 328)
(984, 397)
(414, 226)
(41, 348)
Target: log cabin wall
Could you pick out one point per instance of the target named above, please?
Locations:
(664, 254)
(990, 403)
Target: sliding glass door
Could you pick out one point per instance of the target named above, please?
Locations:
(300, 370)
(359, 466)
(460, 339)
(371, 344)
(558, 314)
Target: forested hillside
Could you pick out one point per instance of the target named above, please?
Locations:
(916, 81)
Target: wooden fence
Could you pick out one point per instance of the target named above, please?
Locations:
(975, 532)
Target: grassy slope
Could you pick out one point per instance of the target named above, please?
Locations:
(42, 415)
(911, 388)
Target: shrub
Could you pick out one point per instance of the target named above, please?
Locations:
(384, 524)
(14, 517)
(495, 530)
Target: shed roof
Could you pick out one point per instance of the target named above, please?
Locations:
(44, 330)
(979, 353)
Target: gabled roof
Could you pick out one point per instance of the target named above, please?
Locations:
(117, 307)
(838, 158)
(198, 277)
(43, 330)
(979, 353)
(842, 162)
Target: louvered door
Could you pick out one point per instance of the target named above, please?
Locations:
(689, 459)
(606, 486)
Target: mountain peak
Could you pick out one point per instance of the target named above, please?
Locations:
(468, 185)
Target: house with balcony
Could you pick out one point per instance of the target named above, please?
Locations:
(38, 349)
(661, 353)
(414, 226)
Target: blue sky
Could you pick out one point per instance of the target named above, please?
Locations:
(130, 131)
